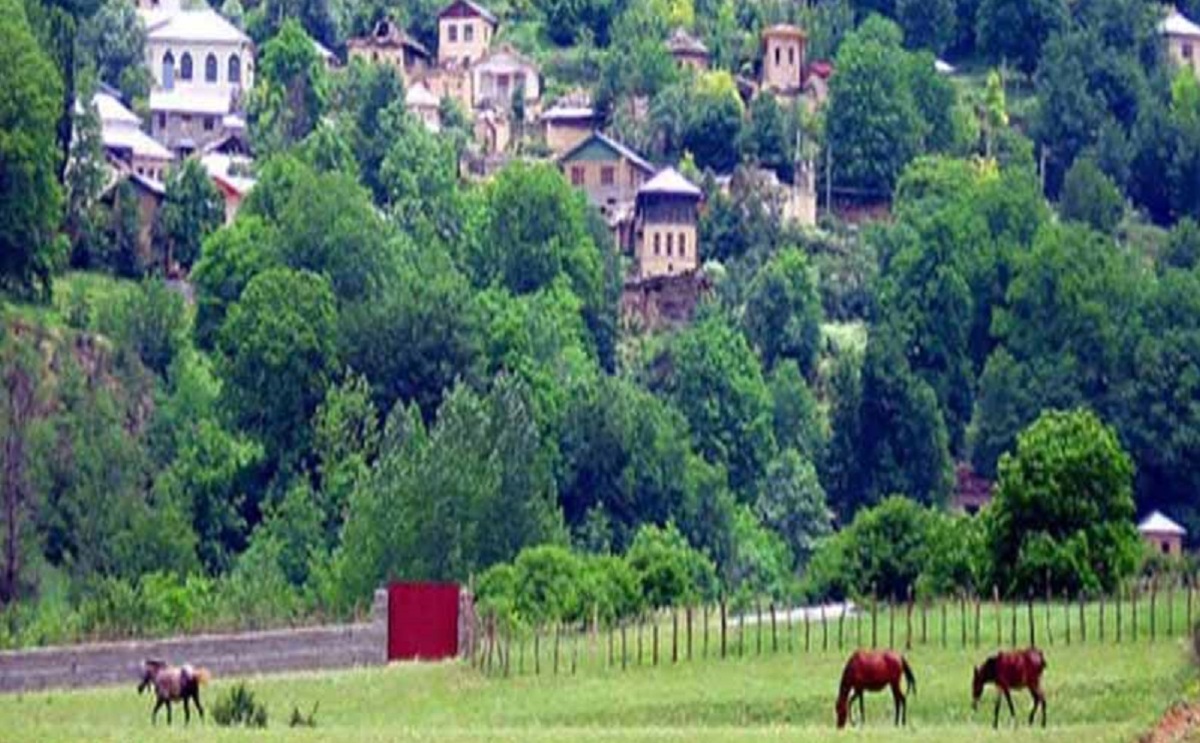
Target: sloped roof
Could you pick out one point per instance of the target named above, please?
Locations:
(784, 29)
(474, 7)
(609, 142)
(1177, 24)
(1157, 523)
(200, 26)
(136, 141)
(112, 111)
(388, 33)
(681, 42)
(504, 59)
(670, 181)
(560, 112)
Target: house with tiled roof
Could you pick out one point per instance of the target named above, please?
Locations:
(126, 146)
(465, 31)
(567, 123)
(687, 50)
(1162, 534)
(666, 217)
(1182, 37)
(388, 43)
(606, 170)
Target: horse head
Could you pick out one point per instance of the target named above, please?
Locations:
(977, 682)
(843, 711)
(150, 671)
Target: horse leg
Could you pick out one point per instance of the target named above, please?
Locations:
(154, 714)
(196, 699)
(898, 702)
(996, 714)
(862, 707)
(187, 713)
(1011, 710)
(1042, 699)
(168, 711)
(1036, 702)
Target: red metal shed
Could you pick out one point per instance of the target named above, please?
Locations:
(422, 621)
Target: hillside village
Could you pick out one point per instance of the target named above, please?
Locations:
(806, 299)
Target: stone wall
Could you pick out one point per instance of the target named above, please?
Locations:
(307, 648)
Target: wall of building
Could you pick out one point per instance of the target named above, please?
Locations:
(562, 136)
(667, 239)
(173, 127)
(590, 176)
(309, 648)
(1184, 52)
(783, 62)
(155, 51)
(463, 40)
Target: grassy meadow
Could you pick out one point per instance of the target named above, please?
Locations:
(1096, 692)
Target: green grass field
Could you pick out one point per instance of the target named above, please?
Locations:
(1095, 693)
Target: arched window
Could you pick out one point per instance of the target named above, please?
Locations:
(210, 68)
(168, 71)
(235, 69)
(185, 66)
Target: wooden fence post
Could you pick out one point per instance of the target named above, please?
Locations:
(674, 635)
(807, 632)
(654, 642)
(624, 646)
(1067, 614)
(1191, 581)
(537, 647)
(841, 625)
(723, 628)
(574, 652)
(689, 633)
(557, 635)
(742, 635)
(892, 623)
(962, 615)
(1120, 601)
(758, 626)
(964, 630)
(978, 619)
(790, 620)
(1013, 633)
(996, 609)
(1102, 617)
(1082, 617)
(1049, 622)
(1171, 607)
(640, 631)
(1133, 597)
(705, 640)
(858, 622)
(824, 631)
(925, 620)
(1153, 606)
(874, 621)
(774, 631)
(909, 630)
(1032, 631)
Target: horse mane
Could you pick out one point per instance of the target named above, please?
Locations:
(988, 669)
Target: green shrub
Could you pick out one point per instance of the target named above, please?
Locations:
(608, 588)
(239, 707)
(547, 584)
(671, 572)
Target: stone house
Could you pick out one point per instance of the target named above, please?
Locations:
(422, 103)
(687, 50)
(1183, 40)
(451, 81)
(125, 144)
(665, 232)
(565, 125)
(608, 172)
(388, 43)
(1162, 534)
(496, 76)
(465, 30)
(202, 67)
(783, 59)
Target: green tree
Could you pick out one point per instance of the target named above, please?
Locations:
(229, 259)
(365, 91)
(291, 92)
(278, 352)
(419, 176)
(114, 39)
(783, 312)
(149, 321)
(192, 208)
(717, 383)
(346, 442)
(1015, 30)
(30, 196)
(1183, 245)
(791, 502)
(873, 127)
(766, 138)
(712, 121)
(927, 24)
(799, 424)
(1063, 510)
(87, 176)
(1089, 196)
(671, 572)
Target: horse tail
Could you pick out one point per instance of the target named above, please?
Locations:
(908, 675)
(202, 675)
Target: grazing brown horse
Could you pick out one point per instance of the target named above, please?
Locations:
(873, 671)
(1020, 669)
(171, 684)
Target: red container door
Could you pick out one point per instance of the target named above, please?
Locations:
(422, 621)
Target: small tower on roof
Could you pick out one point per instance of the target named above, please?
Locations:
(783, 58)
(667, 211)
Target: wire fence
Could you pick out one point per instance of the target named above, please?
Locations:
(1147, 612)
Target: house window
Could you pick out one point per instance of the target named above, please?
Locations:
(1166, 548)
(469, 32)
(234, 73)
(185, 66)
(670, 268)
(576, 175)
(607, 175)
(657, 249)
(452, 32)
(791, 56)
(777, 58)
(210, 68)
(168, 71)
(162, 120)
(670, 243)
(1187, 50)
(209, 123)
(187, 118)
(682, 245)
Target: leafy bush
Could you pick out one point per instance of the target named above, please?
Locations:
(547, 581)
(672, 573)
(609, 587)
(239, 707)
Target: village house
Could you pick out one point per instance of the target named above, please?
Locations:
(667, 212)
(126, 146)
(783, 59)
(566, 124)
(497, 76)
(688, 51)
(608, 172)
(1183, 40)
(972, 492)
(388, 43)
(422, 103)
(465, 31)
(202, 66)
(149, 194)
(1162, 534)
(231, 174)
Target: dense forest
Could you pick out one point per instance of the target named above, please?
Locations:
(379, 369)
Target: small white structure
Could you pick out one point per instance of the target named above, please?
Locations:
(1183, 40)
(422, 103)
(126, 143)
(1162, 534)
